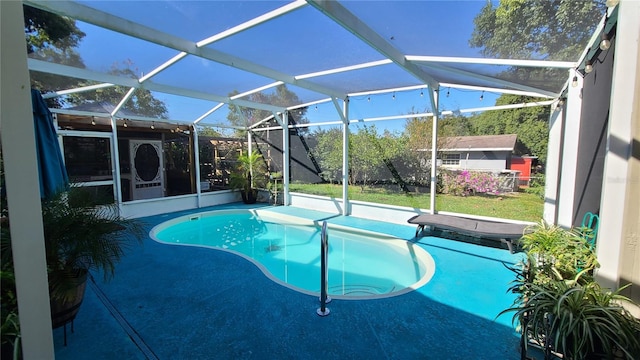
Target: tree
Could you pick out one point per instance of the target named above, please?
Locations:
(49, 33)
(208, 130)
(54, 38)
(531, 29)
(365, 157)
(282, 96)
(419, 130)
(530, 124)
(328, 152)
(536, 29)
(141, 102)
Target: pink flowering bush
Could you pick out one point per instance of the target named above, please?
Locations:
(463, 183)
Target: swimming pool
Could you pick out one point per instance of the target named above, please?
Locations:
(362, 264)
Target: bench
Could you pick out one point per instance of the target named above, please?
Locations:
(505, 232)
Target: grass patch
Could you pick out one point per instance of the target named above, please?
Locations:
(516, 206)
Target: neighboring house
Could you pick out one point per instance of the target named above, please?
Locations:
(486, 152)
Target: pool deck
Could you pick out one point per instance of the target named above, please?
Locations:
(174, 302)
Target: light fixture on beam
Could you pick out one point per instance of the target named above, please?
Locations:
(588, 66)
(153, 125)
(605, 43)
(93, 120)
(574, 82)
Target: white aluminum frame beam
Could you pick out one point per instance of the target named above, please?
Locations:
(256, 90)
(345, 69)
(419, 115)
(346, 206)
(496, 90)
(23, 188)
(434, 155)
(353, 24)
(286, 156)
(487, 61)
(491, 79)
(70, 71)
(203, 116)
(253, 22)
(118, 24)
(55, 94)
(196, 160)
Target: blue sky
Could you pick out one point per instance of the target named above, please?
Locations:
(145, 57)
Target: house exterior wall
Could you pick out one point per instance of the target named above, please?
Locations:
(482, 160)
(523, 165)
(618, 239)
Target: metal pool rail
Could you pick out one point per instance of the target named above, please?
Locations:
(324, 271)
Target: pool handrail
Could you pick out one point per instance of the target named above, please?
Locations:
(324, 271)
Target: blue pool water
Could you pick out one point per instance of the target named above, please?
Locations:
(287, 250)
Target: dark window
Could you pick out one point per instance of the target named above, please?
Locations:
(87, 159)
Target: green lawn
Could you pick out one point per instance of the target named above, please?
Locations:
(516, 206)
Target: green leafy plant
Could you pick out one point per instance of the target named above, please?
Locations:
(561, 307)
(579, 321)
(558, 250)
(536, 185)
(80, 236)
(9, 320)
(249, 175)
(10, 326)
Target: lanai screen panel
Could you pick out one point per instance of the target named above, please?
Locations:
(444, 28)
(434, 28)
(387, 76)
(199, 74)
(499, 76)
(300, 42)
(297, 96)
(191, 20)
(107, 51)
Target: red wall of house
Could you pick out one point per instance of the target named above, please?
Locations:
(523, 165)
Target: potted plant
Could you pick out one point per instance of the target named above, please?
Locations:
(81, 236)
(559, 305)
(247, 176)
(580, 321)
(566, 251)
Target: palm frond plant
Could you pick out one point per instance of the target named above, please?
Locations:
(79, 237)
(249, 175)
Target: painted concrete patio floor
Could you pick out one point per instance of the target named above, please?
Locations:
(173, 302)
